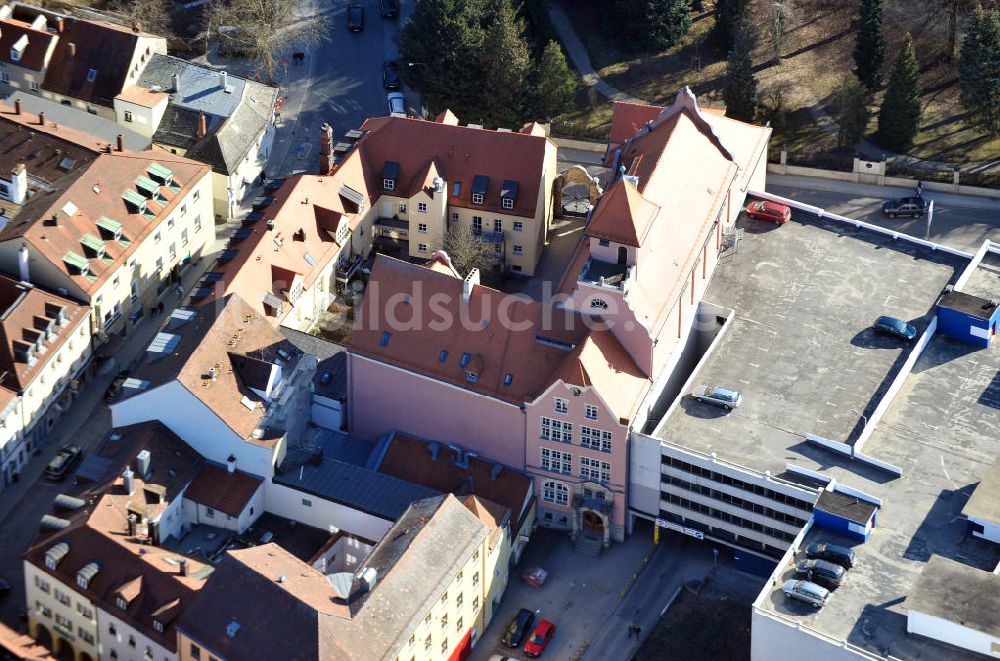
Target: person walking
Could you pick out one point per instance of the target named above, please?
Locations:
(920, 189)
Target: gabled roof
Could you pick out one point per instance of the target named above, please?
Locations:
(25, 314)
(283, 599)
(100, 190)
(228, 493)
(532, 346)
(94, 131)
(627, 118)
(622, 215)
(202, 345)
(33, 56)
(106, 48)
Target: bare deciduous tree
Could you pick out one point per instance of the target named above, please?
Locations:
(263, 29)
(777, 17)
(152, 15)
(468, 252)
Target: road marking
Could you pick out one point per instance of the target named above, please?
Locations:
(744, 381)
(753, 364)
(831, 404)
(763, 349)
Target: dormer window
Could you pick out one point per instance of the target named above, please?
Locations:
(456, 188)
(93, 246)
(17, 50)
(121, 603)
(390, 173)
(91, 75)
(55, 554)
(158, 626)
(508, 193)
(599, 304)
(471, 377)
(480, 184)
(77, 263)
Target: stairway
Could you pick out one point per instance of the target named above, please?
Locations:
(589, 545)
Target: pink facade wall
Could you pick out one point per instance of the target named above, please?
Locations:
(621, 320)
(384, 398)
(576, 415)
(609, 253)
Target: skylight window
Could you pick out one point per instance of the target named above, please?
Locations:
(384, 340)
(310, 260)
(67, 163)
(465, 360)
(91, 75)
(443, 356)
(507, 380)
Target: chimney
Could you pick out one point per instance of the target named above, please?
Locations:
(136, 26)
(121, 142)
(471, 281)
(325, 149)
(22, 263)
(231, 464)
(223, 80)
(131, 525)
(129, 478)
(142, 463)
(185, 568)
(202, 125)
(71, 47)
(17, 106)
(41, 118)
(60, 26)
(19, 184)
(175, 80)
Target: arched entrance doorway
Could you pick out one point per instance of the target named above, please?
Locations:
(43, 636)
(593, 523)
(576, 174)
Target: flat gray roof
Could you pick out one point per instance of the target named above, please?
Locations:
(958, 593)
(940, 430)
(800, 347)
(985, 500)
(74, 118)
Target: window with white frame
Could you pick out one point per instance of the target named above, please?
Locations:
(562, 405)
(454, 215)
(595, 470)
(595, 439)
(518, 250)
(599, 304)
(477, 224)
(556, 430)
(477, 198)
(422, 227)
(518, 226)
(422, 247)
(508, 203)
(557, 462)
(402, 207)
(591, 412)
(422, 207)
(389, 184)
(555, 492)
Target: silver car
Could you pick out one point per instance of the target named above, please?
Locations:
(806, 591)
(397, 106)
(727, 399)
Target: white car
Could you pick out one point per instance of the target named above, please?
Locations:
(396, 104)
(727, 399)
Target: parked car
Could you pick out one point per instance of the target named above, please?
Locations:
(766, 210)
(836, 554)
(727, 399)
(501, 657)
(540, 637)
(806, 591)
(518, 628)
(905, 206)
(822, 572)
(389, 8)
(390, 75)
(396, 103)
(355, 18)
(64, 460)
(116, 385)
(894, 327)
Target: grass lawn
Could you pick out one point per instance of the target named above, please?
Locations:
(816, 59)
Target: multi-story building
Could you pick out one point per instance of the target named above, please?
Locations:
(558, 389)
(224, 380)
(45, 359)
(26, 47)
(207, 115)
(420, 594)
(94, 128)
(95, 61)
(115, 234)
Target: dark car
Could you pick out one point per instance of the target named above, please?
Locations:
(905, 206)
(389, 8)
(894, 327)
(518, 628)
(63, 462)
(822, 572)
(390, 75)
(839, 555)
(355, 18)
(539, 639)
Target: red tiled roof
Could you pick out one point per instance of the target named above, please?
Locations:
(460, 153)
(43, 148)
(627, 118)
(25, 314)
(16, 645)
(622, 215)
(33, 56)
(216, 488)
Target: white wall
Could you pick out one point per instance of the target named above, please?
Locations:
(124, 633)
(952, 633)
(771, 638)
(172, 518)
(346, 554)
(326, 413)
(323, 514)
(991, 530)
(186, 415)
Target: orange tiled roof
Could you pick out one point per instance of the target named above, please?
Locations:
(622, 215)
(33, 57)
(214, 487)
(627, 118)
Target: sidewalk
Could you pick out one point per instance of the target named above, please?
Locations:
(87, 405)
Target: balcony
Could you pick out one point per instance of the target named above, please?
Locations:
(601, 505)
(603, 274)
(392, 230)
(488, 236)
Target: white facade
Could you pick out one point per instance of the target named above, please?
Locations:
(69, 617)
(985, 529)
(199, 426)
(327, 413)
(952, 633)
(347, 554)
(119, 640)
(198, 513)
(323, 514)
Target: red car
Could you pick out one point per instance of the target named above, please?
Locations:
(764, 210)
(540, 637)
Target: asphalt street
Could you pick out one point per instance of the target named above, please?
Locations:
(960, 222)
